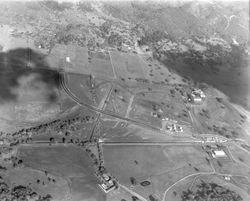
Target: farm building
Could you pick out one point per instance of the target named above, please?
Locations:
(218, 154)
(107, 183)
(197, 96)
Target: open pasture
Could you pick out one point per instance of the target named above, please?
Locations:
(143, 110)
(99, 65)
(126, 132)
(218, 117)
(239, 154)
(163, 181)
(85, 189)
(143, 162)
(119, 100)
(191, 183)
(231, 167)
(59, 160)
(154, 106)
(59, 189)
(87, 89)
(65, 161)
(127, 65)
(78, 58)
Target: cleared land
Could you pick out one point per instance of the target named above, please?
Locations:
(87, 89)
(154, 105)
(120, 131)
(58, 189)
(78, 58)
(100, 65)
(191, 184)
(67, 162)
(159, 164)
(119, 100)
(218, 117)
(127, 65)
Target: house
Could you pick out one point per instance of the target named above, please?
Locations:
(197, 96)
(107, 183)
(174, 128)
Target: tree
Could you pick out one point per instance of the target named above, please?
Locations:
(134, 198)
(52, 140)
(133, 181)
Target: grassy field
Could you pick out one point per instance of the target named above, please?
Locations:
(143, 162)
(240, 154)
(231, 167)
(163, 181)
(56, 159)
(78, 58)
(59, 190)
(219, 117)
(162, 103)
(82, 87)
(100, 65)
(68, 162)
(142, 110)
(119, 100)
(126, 132)
(127, 65)
(161, 165)
(81, 61)
(191, 183)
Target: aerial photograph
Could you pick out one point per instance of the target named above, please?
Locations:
(124, 100)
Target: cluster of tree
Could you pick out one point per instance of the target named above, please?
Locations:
(134, 198)
(115, 40)
(210, 191)
(152, 198)
(70, 35)
(205, 113)
(223, 131)
(105, 27)
(20, 192)
(65, 126)
(133, 181)
(24, 135)
(152, 36)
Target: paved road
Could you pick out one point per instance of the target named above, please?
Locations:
(177, 143)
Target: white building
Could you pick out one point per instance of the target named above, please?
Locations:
(227, 178)
(218, 154)
(68, 59)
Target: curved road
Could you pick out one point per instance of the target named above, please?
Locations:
(95, 109)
